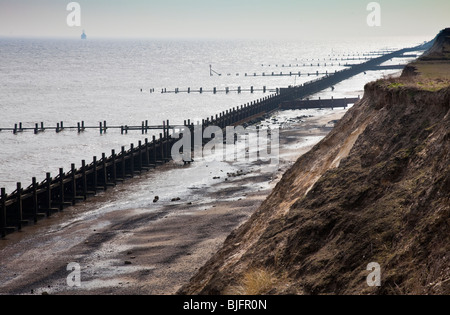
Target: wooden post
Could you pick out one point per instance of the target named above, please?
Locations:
(167, 141)
(3, 211)
(147, 155)
(19, 206)
(49, 194)
(105, 173)
(226, 118)
(101, 129)
(132, 159)
(163, 143)
(164, 129)
(161, 146)
(154, 150)
(140, 155)
(74, 183)
(122, 165)
(83, 170)
(192, 130)
(95, 175)
(114, 169)
(35, 199)
(61, 189)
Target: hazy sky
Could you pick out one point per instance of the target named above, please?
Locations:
(295, 19)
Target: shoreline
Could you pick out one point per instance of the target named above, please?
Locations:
(137, 251)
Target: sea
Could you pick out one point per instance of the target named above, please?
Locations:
(120, 81)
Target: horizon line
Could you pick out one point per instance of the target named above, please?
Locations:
(106, 37)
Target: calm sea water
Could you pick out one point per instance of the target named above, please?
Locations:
(43, 80)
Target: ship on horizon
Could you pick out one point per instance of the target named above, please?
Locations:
(83, 36)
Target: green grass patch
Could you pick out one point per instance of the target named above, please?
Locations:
(395, 85)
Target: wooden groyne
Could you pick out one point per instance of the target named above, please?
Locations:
(296, 73)
(41, 199)
(102, 127)
(216, 90)
(320, 103)
(328, 62)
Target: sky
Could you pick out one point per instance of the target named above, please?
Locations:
(223, 19)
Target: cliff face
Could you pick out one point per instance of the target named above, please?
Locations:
(441, 47)
(435, 63)
(376, 189)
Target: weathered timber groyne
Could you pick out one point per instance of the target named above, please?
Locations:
(320, 103)
(41, 199)
(102, 127)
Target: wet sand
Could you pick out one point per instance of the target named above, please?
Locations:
(144, 251)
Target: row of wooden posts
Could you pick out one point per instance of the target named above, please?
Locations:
(239, 89)
(288, 74)
(215, 90)
(310, 64)
(360, 57)
(41, 199)
(280, 74)
(102, 127)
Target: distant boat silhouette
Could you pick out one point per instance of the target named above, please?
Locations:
(83, 36)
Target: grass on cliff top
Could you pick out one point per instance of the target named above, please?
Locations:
(434, 70)
(417, 82)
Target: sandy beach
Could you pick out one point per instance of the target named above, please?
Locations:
(145, 251)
